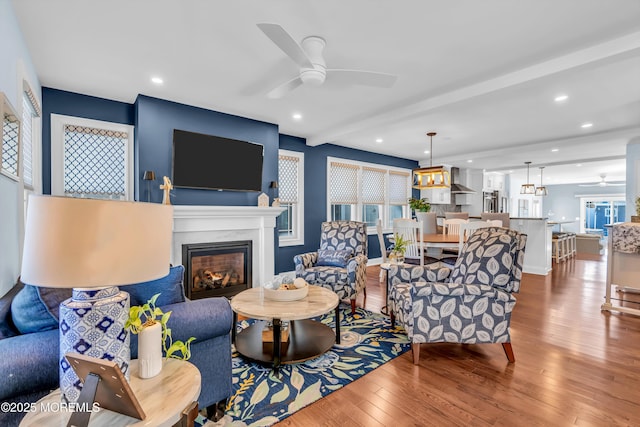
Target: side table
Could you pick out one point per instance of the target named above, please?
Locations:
(163, 398)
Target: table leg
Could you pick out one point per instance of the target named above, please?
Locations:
(277, 342)
(338, 324)
(233, 327)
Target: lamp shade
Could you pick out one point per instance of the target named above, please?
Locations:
(149, 176)
(88, 243)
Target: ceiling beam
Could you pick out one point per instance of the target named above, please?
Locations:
(597, 53)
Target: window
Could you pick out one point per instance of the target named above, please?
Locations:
(31, 145)
(10, 140)
(291, 194)
(598, 211)
(30, 139)
(366, 192)
(90, 158)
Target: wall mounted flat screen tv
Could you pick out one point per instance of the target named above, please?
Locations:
(214, 162)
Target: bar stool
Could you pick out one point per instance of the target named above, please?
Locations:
(560, 246)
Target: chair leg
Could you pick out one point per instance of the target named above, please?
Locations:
(353, 306)
(509, 352)
(415, 350)
(364, 300)
(393, 319)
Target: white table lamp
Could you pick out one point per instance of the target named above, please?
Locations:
(93, 246)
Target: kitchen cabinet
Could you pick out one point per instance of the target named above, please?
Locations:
(437, 196)
(493, 181)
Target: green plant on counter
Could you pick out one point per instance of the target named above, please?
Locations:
(638, 206)
(142, 316)
(420, 205)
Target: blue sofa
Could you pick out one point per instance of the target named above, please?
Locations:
(29, 362)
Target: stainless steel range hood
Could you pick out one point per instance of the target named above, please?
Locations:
(458, 188)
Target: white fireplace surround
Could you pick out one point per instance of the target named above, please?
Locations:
(205, 224)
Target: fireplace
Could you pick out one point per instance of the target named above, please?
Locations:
(217, 268)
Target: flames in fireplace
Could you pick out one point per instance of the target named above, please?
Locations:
(217, 269)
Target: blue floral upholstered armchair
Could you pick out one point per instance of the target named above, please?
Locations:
(341, 262)
(469, 304)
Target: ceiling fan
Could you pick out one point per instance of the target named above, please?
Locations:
(313, 69)
(602, 183)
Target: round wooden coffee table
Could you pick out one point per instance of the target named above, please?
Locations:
(307, 338)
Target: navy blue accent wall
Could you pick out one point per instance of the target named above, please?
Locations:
(74, 104)
(157, 118)
(315, 193)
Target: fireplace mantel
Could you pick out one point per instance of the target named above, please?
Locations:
(202, 224)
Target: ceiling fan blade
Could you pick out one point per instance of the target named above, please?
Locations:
(359, 77)
(286, 43)
(284, 88)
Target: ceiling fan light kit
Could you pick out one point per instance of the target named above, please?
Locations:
(433, 176)
(313, 68)
(527, 188)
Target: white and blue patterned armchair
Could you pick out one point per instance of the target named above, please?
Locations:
(341, 262)
(469, 304)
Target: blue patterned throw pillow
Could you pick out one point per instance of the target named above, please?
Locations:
(169, 287)
(338, 258)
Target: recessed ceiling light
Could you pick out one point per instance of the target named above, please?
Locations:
(511, 171)
(561, 98)
(426, 151)
(469, 161)
(579, 165)
(379, 140)
(586, 125)
(555, 150)
(297, 116)
(157, 80)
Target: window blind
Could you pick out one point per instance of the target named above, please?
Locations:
(288, 170)
(373, 186)
(27, 141)
(94, 162)
(398, 184)
(343, 183)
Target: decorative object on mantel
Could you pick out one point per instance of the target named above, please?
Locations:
(527, 188)
(167, 187)
(433, 176)
(149, 176)
(276, 203)
(542, 190)
(636, 217)
(263, 201)
(153, 336)
(94, 246)
(274, 192)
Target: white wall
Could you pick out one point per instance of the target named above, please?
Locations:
(15, 63)
(633, 176)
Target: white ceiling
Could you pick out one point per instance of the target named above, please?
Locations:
(483, 75)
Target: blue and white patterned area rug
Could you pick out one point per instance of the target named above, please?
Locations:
(260, 399)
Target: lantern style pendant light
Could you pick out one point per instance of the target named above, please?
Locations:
(542, 190)
(433, 176)
(527, 188)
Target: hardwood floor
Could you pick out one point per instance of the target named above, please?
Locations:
(575, 365)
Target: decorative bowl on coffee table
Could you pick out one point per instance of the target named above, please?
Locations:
(286, 294)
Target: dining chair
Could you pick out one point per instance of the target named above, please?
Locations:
(460, 215)
(494, 222)
(411, 232)
(503, 216)
(451, 226)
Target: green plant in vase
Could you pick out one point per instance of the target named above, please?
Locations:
(636, 217)
(150, 323)
(420, 205)
(399, 248)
